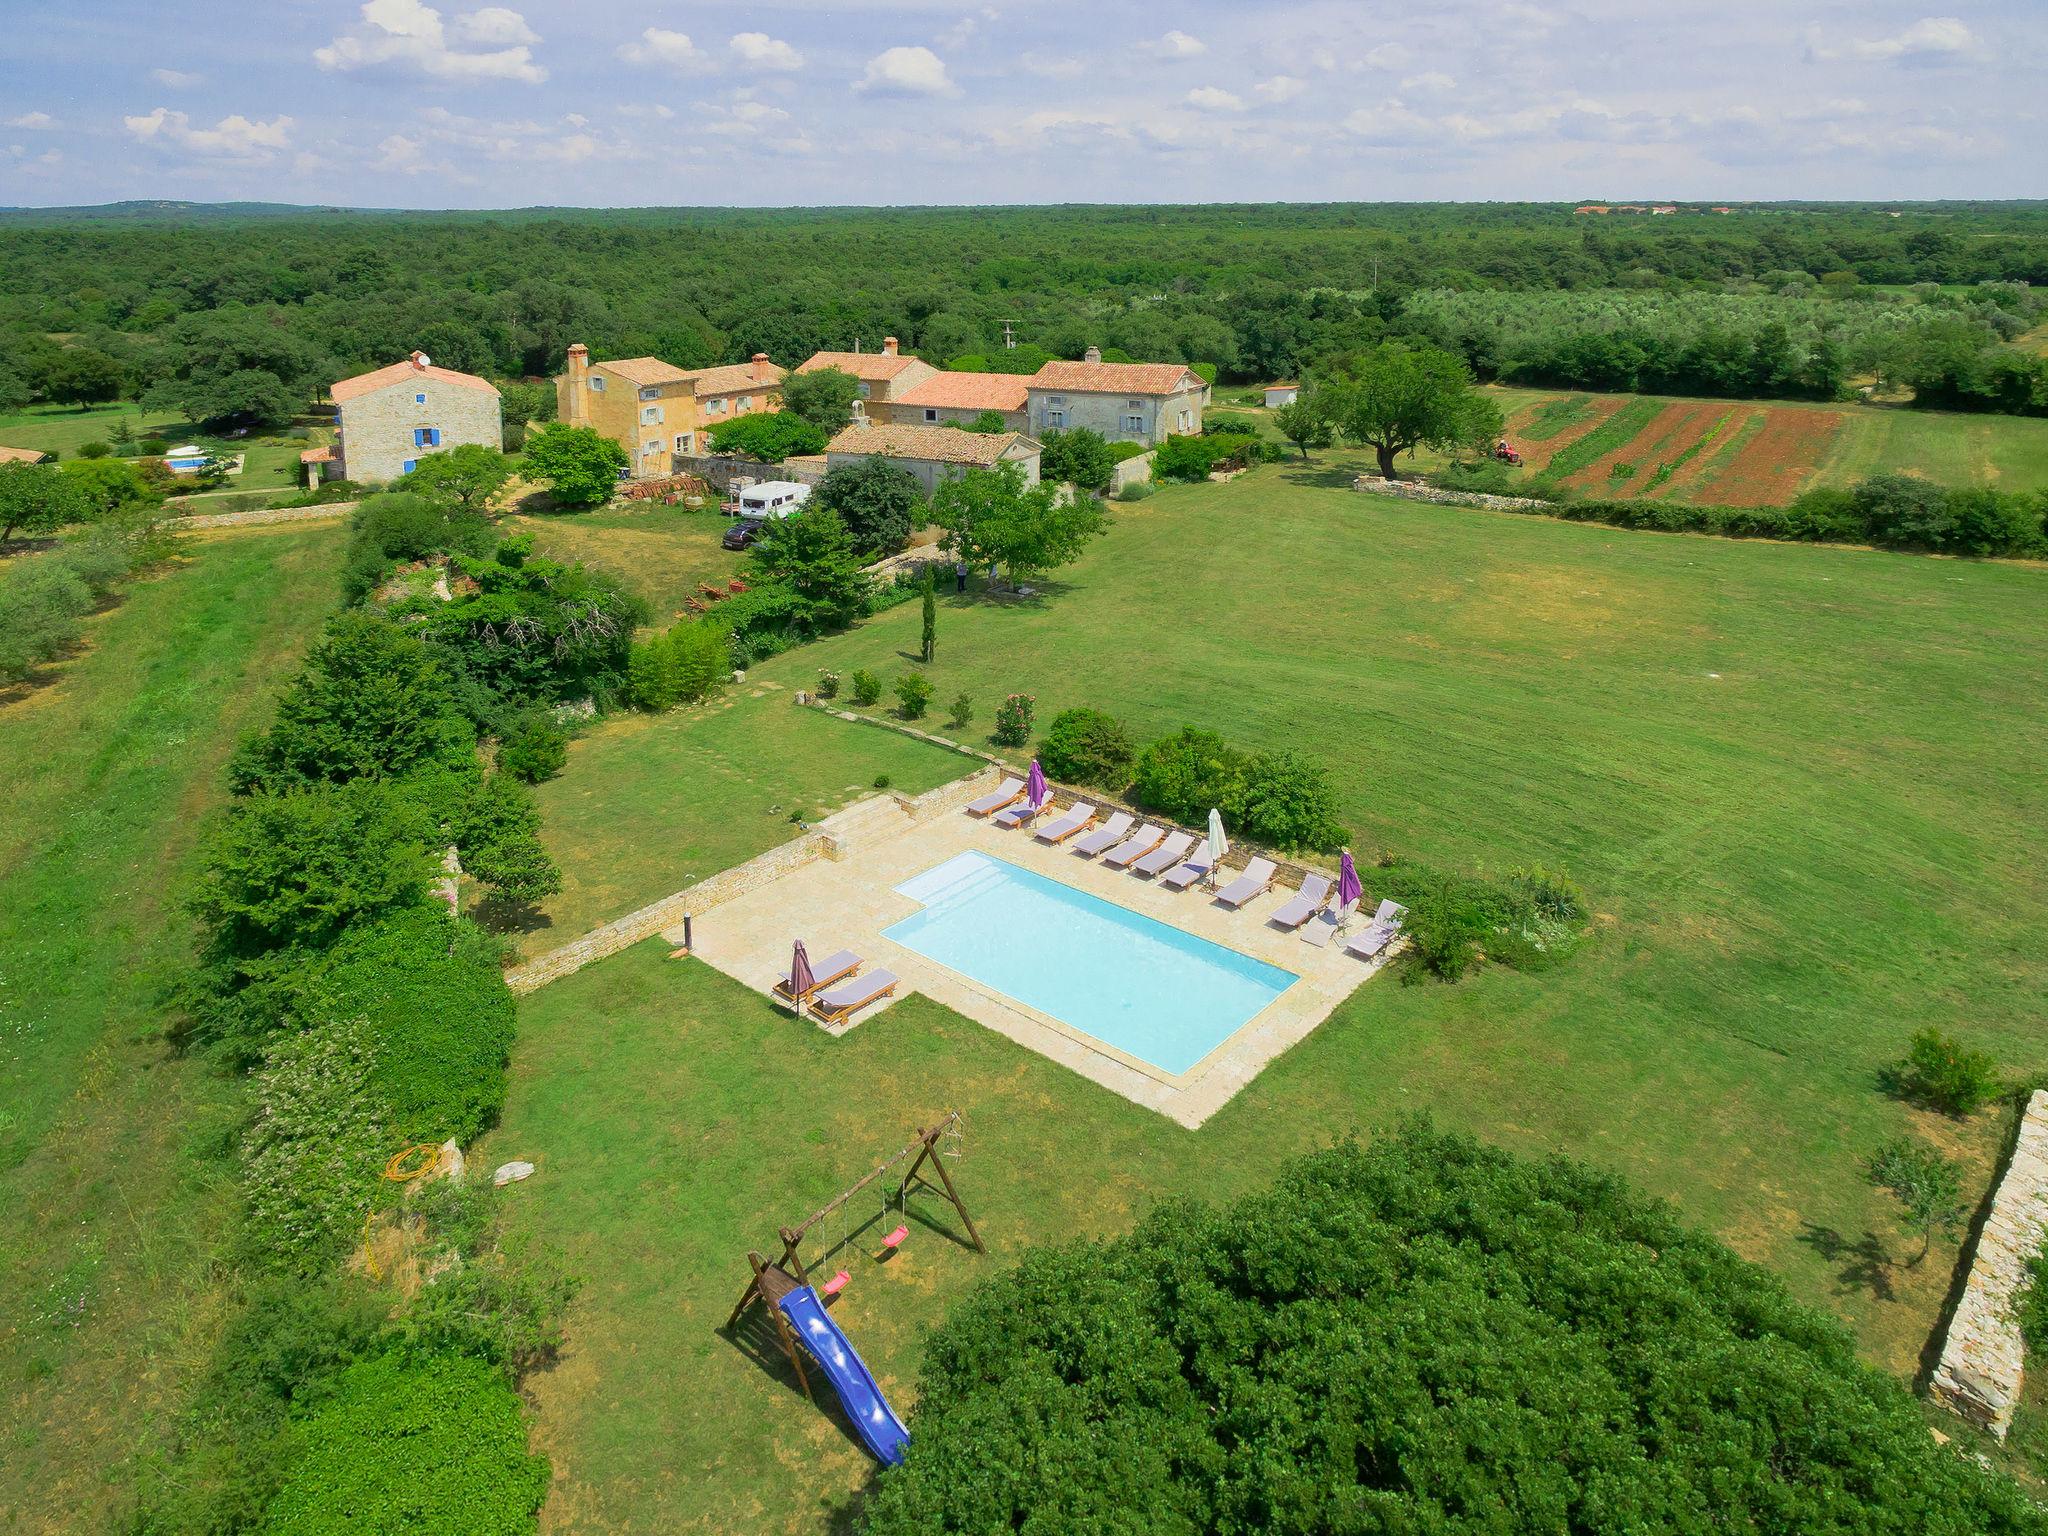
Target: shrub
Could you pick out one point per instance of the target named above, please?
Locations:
(497, 829)
(867, 688)
(430, 1445)
(1013, 719)
(533, 749)
(486, 1299)
(960, 713)
(42, 601)
(913, 693)
(1137, 490)
(2031, 1304)
(1928, 1187)
(311, 1157)
(1086, 746)
(1940, 1072)
(1079, 457)
(156, 447)
(1423, 1334)
(879, 502)
(399, 526)
(1186, 775)
(828, 685)
(1289, 803)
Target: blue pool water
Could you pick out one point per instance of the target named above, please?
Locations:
(1150, 990)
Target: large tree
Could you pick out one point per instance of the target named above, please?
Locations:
(83, 376)
(770, 436)
(880, 502)
(467, 477)
(823, 397)
(580, 464)
(39, 498)
(992, 517)
(811, 554)
(1423, 1335)
(1394, 399)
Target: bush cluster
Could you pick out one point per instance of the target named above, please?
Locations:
(1196, 457)
(44, 598)
(681, 665)
(1013, 719)
(1940, 1072)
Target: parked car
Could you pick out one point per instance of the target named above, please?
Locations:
(743, 533)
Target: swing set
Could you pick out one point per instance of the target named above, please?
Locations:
(773, 1280)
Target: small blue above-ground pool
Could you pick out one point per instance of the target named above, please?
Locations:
(1130, 981)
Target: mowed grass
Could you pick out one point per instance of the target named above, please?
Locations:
(1800, 786)
(270, 464)
(112, 1198)
(660, 553)
(650, 804)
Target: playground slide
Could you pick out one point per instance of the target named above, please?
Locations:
(879, 1428)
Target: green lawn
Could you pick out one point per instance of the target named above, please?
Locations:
(2009, 452)
(270, 465)
(661, 553)
(1800, 785)
(112, 1201)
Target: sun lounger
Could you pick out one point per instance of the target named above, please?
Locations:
(1384, 928)
(1108, 835)
(1016, 815)
(1136, 846)
(843, 1001)
(1003, 794)
(1077, 816)
(824, 974)
(1257, 877)
(1166, 855)
(1308, 901)
(1197, 867)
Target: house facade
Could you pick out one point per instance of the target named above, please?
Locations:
(1125, 402)
(884, 377)
(947, 399)
(655, 410)
(933, 455)
(391, 418)
(1278, 395)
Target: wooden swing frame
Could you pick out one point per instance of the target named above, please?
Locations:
(773, 1280)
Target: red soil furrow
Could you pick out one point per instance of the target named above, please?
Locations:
(1690, 474)
(1636, 451)
(1536, 455)
(1779, 460)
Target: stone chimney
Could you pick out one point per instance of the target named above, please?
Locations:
(763, 369)
(419, 360)
(576, 408)
(1092, 355)
(888, 346)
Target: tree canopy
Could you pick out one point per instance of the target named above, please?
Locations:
(823, 397)
(992, 517)
(580, 464)
(880, 503)
(468, 476)
(1393, 399)
(1425, 1334)
(39, 498)
(812, 556)
(770, 436)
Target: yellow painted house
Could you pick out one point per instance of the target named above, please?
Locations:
(655, 410)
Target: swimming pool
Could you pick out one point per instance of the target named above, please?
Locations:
(1150, 990)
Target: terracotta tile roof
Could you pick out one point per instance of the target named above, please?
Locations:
(400, 373)
(1116, 378)
(643, 370)
(734, 377)
(941, 445)
(872, 366)
(21, 455)
(317, 456)
(969, 392)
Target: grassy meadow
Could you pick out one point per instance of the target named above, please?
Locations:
(1799, 785)
(112, 1203)
(270, 463)
(660, 553)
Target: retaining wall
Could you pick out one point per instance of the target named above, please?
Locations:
(266, 515)
(1983, 1357)
(1415, 490)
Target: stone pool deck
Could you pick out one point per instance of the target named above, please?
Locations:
(845, 901)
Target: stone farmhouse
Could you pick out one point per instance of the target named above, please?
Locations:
(883, 377)
(655, 410)
(932, 454)
(393, 417)
(959, 399)
(1126, 402)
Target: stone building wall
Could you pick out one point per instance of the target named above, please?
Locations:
(377, 428)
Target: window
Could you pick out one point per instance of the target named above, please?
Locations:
(419, 399)
(649, 415)
(1056, 400)
(682, 442)
(1134, 424)
(1135, 405)
(1055, 419)
(597, 382)
(746, 404)
(714, 407)
(930, 414)
(650, 393)
(410, 466)
(864, 389)
(426, 437)
(1187, 421)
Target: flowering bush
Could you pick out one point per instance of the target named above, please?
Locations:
(1013, 719)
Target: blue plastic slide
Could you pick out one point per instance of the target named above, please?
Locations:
(880, 1430)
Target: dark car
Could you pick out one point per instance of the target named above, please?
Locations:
(743, 532)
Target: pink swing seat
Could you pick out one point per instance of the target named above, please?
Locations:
(837, 1283)
(895, 1239)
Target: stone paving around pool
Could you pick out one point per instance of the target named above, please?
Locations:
(846, 900)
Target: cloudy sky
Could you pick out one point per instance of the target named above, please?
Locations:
(398, 103)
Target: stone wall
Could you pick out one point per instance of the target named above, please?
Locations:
(267, 515)
(1132, 471)
(720, 470)
(1416, 490)
(376, 428)
(1983, 1357)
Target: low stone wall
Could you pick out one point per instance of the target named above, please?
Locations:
(266, 515)
(720, 470)
(1415, 490)
(1983, 1357)
(1132, 471)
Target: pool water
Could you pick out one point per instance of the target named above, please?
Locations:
(1150, 990)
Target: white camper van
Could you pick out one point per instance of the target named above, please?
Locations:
(771, 498)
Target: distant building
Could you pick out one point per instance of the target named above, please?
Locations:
(884, 378)
(1278, 395)
(21, 455)
(393, 417)
(933, 454)
(655, 410)
(959, 399)
(1125, 402)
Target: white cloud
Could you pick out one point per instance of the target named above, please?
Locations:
(32, 120)
(1054, 66)
(176, 79)
(1279, 88)
(1932, 39)
(1176, 46)
(1387, 56)
(410, 35)
(907, 72)
(765, 52)
(1428, 80)
(745, 119)
(962, 31)
(400, 154)
(660, 46)
(1214, 99)
(235, 138)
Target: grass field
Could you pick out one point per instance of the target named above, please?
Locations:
(659, 552)
(112, 1208)
(270, 464)
(1799, 784)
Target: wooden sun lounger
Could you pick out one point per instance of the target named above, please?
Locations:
(1308, 901)
(1197, 867)
(824, 974)
(1005, 793)
(1108, 835)
(1166, 855)
(1017, 814)
(1257, 878)
(843, 1001)
(1134, 848)
(1077, 816)
(1384, 928)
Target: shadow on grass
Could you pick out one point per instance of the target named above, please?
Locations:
(1328, 477)
(1866, 1263)
(501, 914)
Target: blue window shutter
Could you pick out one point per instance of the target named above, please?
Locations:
(411, 465)
(434, 436)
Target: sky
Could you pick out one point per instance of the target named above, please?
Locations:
(399, 103)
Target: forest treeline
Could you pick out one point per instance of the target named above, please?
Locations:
(241, 318)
